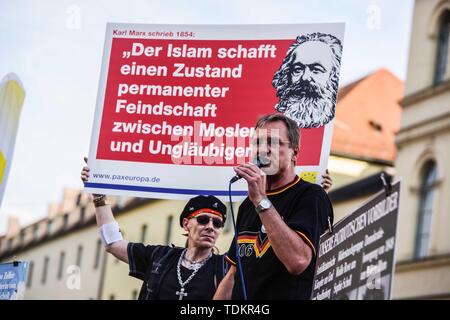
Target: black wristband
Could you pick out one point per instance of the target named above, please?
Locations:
(100, 203)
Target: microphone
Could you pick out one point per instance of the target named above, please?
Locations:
(260, 163)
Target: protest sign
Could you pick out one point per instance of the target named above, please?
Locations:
(13, 277)
(177, 104)
(356, 261)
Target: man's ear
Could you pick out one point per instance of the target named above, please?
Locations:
(186, 224)
(296, 150)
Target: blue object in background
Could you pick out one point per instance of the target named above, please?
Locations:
(13, 277)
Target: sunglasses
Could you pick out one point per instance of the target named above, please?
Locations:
(204, 220)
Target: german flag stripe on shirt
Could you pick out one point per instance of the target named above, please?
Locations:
(260, 249)
(284, 188)
(230, 261)
(307, 241)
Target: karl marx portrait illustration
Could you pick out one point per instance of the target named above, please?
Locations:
(307, 81)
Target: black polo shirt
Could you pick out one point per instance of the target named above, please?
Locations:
(305, 207)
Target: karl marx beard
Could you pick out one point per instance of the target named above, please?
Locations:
(306, 102)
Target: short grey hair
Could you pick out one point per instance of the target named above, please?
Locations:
(291, 126)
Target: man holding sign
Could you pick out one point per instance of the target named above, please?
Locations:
(170, 273)
(177, 102)
(279, 223)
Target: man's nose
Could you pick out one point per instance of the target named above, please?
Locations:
(209, 225)
(306, 74)
(264, 150)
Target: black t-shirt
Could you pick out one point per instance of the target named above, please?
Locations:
(305, 208)
(201, 287)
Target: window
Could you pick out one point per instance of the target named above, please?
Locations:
(375, 125)
(62, 255)
(65, 220)
(169, 229)
(49, 226)
(143, 233)
(22, 236)
(44, 270)
(426, 196)
(79, 253)
(30, 274)
(82, 213)
(78, 199)
(442, 61)
(35, 232)
(98, 251)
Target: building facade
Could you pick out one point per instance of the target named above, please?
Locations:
(64, 252)
(423, 161)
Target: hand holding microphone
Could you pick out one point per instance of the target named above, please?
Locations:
(260, 162)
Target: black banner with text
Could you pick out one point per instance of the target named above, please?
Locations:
(356, 261)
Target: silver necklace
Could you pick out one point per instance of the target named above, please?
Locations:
(191, 264)
(182, 293)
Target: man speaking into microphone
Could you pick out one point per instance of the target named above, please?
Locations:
(279, 223)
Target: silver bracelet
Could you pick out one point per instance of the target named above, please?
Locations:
(99, 198)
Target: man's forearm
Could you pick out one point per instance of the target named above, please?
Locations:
(104, 215)
(287, 245)
(225, 288)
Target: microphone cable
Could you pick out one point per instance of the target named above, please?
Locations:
(238, 258)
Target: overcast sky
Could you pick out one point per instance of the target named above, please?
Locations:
(55, 47)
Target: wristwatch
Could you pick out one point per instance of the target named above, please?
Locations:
(263, 205)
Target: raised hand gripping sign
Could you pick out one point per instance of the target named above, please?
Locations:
(177, 105)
